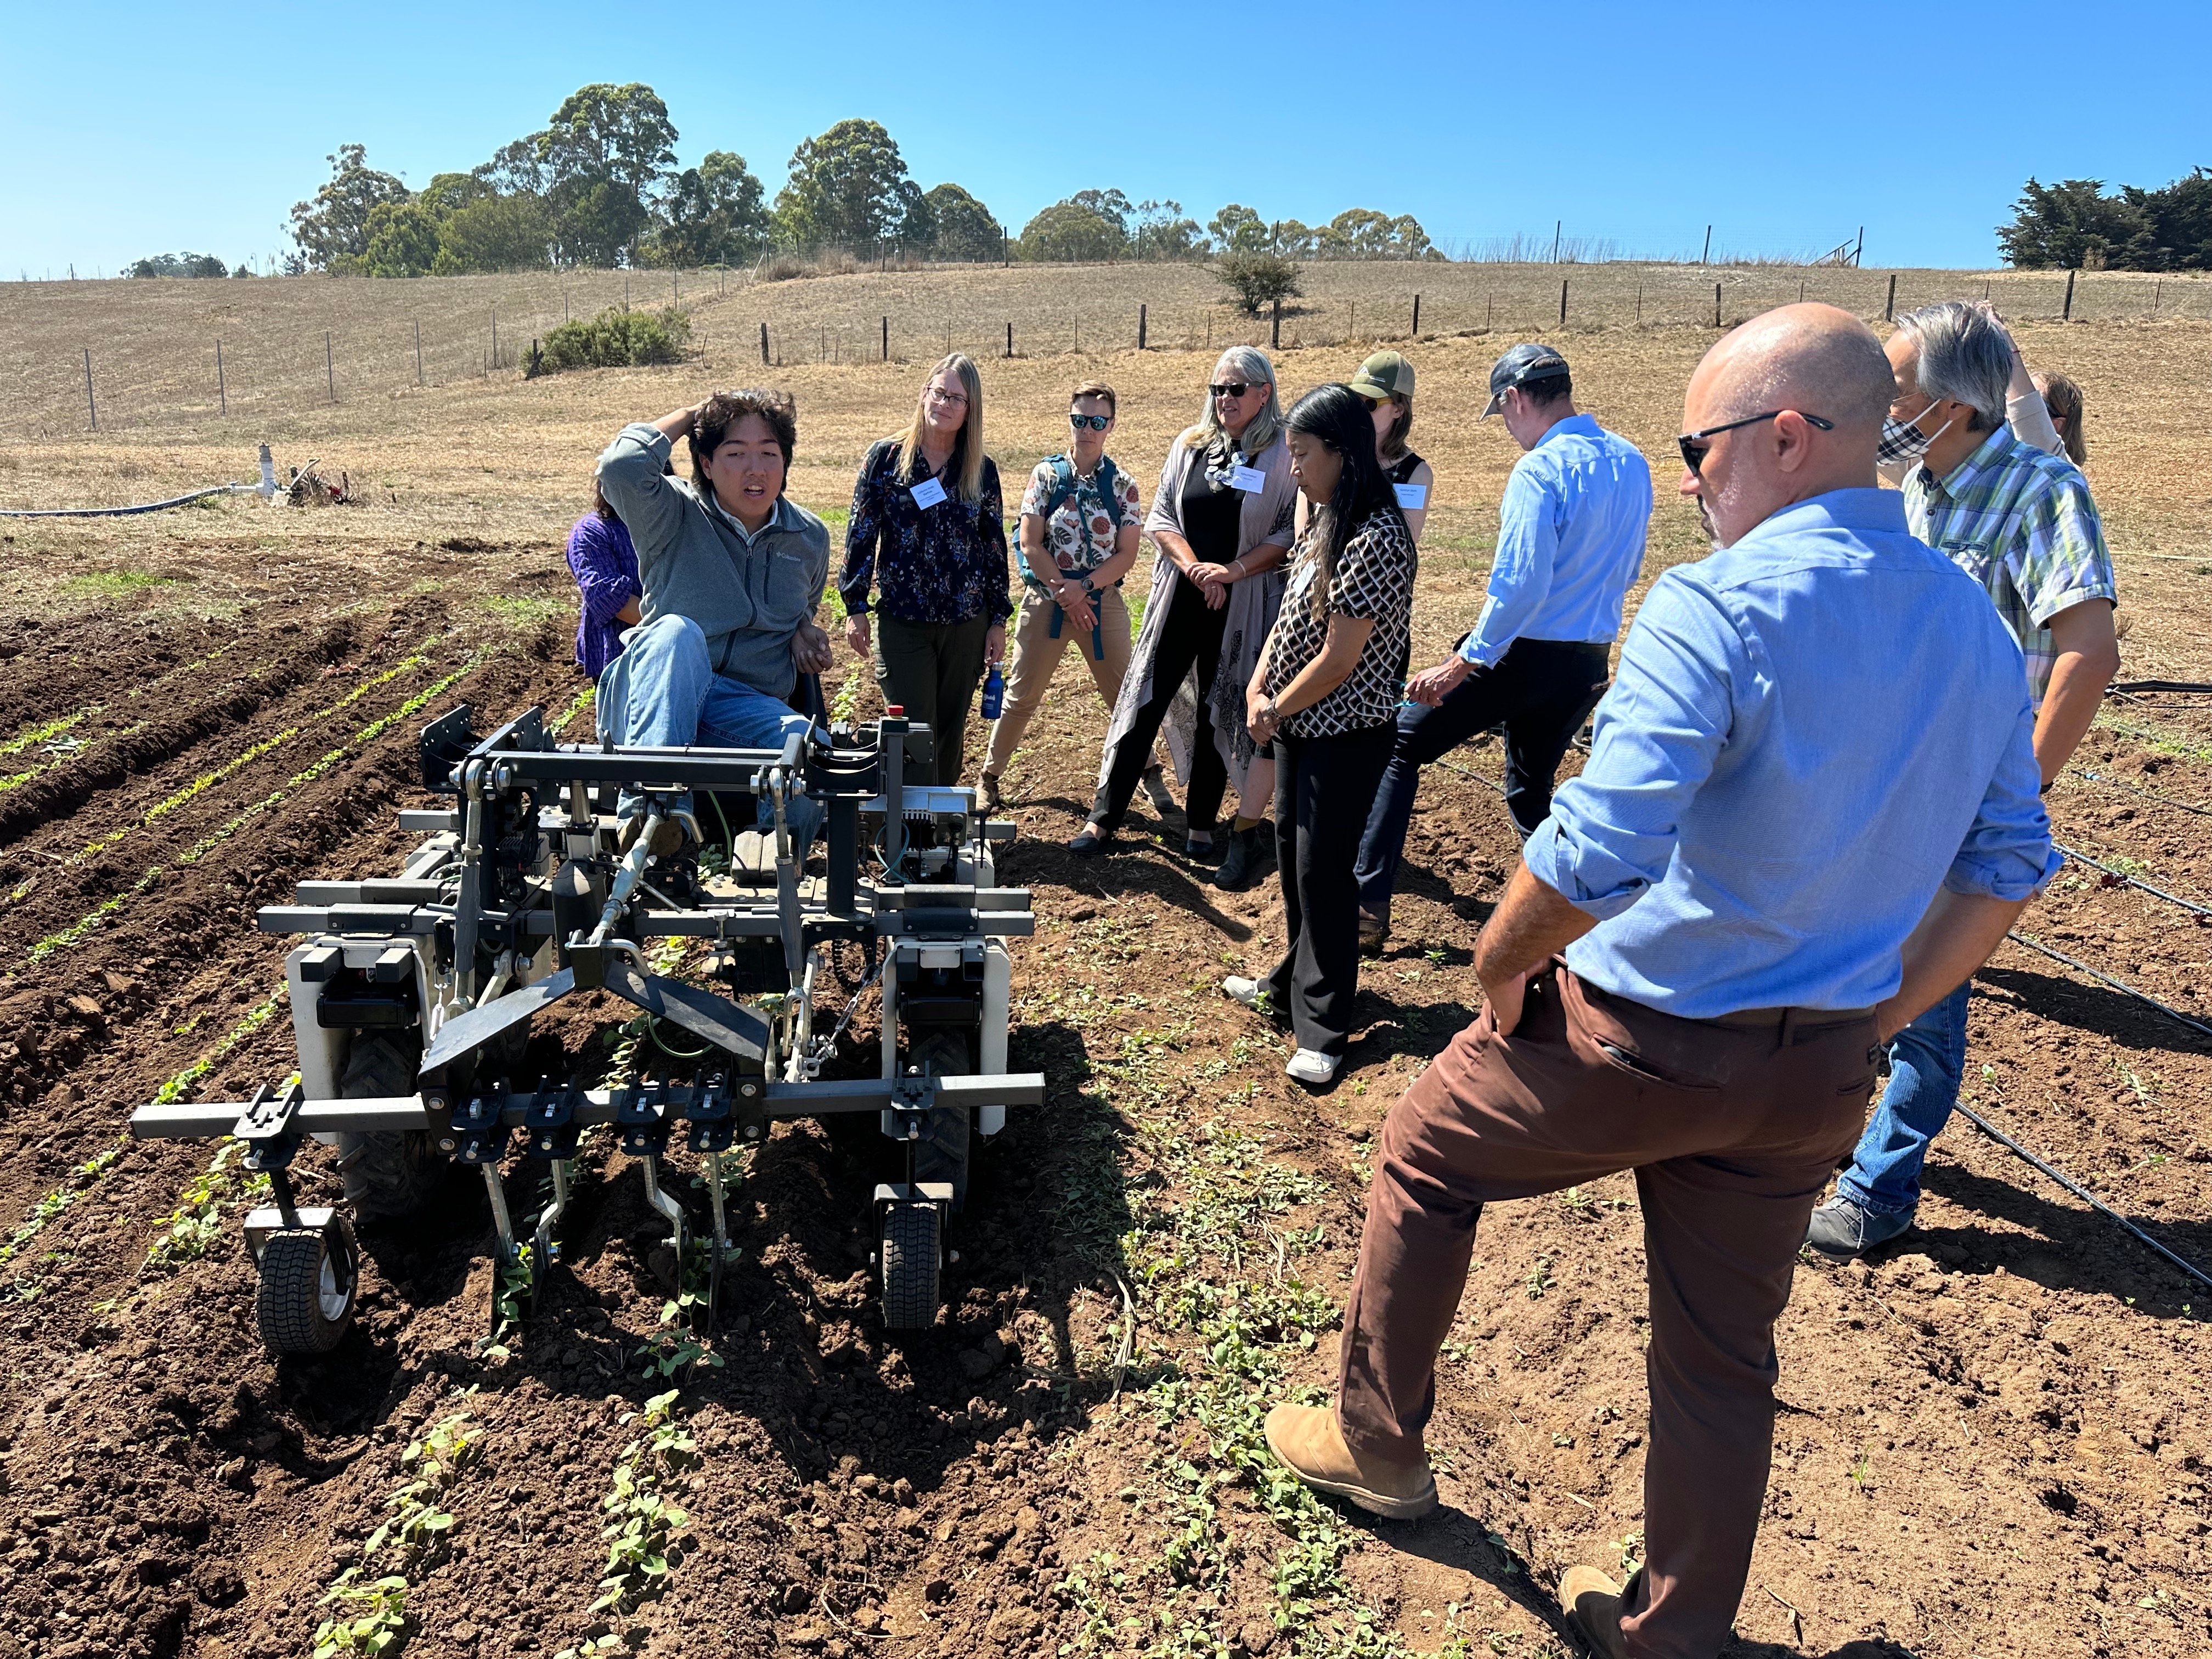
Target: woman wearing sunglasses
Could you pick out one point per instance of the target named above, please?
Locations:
(1325, 693)
(1221, 522)
(1080, 519)
(928, 535)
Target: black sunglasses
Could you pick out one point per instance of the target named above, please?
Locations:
(1096, 422)
(1694, 452)
(1373, 404)
(1234, 389)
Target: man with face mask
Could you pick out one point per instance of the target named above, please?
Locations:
(2022, 523)
(1809, 810)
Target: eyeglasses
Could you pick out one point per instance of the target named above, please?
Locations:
(1694, 452)
(1233, 389)
(1373, 404)
(1094, 423)
(939, 394)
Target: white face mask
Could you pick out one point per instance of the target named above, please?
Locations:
(1903, 441)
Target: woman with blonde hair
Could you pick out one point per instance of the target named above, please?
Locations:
(928, 533)
(1221, 524)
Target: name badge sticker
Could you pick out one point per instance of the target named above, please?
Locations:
(1249, 479)
(1411, 498)
(928, 494)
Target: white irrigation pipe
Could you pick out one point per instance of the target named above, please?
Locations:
(266, 490)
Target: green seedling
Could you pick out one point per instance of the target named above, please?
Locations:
(188, 1231)
(1540, 1279)
(377, 1623)
(641, 1529)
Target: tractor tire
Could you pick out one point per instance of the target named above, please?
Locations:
(390, 1174)
(909, 1254)
(309, 1282)
(942, 1154)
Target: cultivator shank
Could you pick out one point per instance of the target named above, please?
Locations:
(413, 996)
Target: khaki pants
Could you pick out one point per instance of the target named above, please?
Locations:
(1732, 1131)
(1037, 654)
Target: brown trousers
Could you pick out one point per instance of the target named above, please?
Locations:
(1732, 1131)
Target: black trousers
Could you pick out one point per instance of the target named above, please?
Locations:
(1322, 786)
(1190, 637)
(1541, 691)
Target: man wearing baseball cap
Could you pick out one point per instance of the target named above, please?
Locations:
(1569, 541)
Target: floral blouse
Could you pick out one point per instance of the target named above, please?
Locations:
(1081, 533)
(945, 563)
(1373, 582)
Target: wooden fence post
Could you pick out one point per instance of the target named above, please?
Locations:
(1140, 327)
(1717, 305)
(1275, 339)
(222, 395)
(418, 351)
(1706, 257)
(494, 339)
(2067, 315)
(1417, 316)
(1563, 303)
(763, 342)
(1639, 304)
(887, 339)
(1010, 339)
(1351, 328)
(89, 403)
(2156, 289)
(1889, 306)
(330, 368)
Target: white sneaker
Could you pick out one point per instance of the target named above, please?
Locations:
(1313, 1066)
(1250, 992)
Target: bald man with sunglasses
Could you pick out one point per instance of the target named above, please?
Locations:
(1810, 809)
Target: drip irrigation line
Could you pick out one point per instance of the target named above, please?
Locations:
(2122, 875)
(125, 512)
(2127, 687)
(2081, 1192)
(2121, 986)
(1469, 772)
(2147, 794)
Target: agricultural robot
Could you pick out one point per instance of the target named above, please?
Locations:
(412, 996)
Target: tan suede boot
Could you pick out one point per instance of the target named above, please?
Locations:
(1592, 1603)
(1306, 1440)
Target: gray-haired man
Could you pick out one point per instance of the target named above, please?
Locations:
(2022, 523)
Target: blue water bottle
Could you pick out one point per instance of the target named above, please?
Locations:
(994, 693)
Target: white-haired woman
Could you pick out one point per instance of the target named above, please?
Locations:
(1222, 523)
(928, 533)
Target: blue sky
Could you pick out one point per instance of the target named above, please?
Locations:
(132, 129)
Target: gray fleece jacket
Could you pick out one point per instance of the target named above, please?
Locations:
(747, 594)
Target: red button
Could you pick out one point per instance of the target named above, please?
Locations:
(896, 710)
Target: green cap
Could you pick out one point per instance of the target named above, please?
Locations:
(1386, 374)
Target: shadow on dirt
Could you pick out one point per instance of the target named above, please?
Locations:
(2094, 1008)
(2067, 1246)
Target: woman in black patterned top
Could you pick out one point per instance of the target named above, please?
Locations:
(1325, 694)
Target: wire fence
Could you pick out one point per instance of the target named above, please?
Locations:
(133, 355)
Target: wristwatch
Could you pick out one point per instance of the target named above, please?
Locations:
(1088, 588)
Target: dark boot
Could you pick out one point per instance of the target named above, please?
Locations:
(1251, 855)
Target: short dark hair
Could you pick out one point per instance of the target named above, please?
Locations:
(1099, 390)
(712, 420)
(1544, 392)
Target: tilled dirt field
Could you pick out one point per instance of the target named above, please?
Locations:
(1992, 1434)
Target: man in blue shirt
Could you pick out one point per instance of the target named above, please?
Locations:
(1569, 541)
(1810, 809)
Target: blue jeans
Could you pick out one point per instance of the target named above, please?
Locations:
(663, 693)
(1926, 1062)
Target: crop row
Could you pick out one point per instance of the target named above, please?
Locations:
(77, 931)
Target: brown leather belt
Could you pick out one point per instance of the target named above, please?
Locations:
(1797, 1019)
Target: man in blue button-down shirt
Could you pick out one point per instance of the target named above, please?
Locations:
(1569, 542)
(1810, 809)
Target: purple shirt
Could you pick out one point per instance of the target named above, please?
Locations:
(606, 564)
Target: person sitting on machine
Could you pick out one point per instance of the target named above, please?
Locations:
(733, 572)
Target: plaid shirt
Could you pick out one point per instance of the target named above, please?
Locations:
(2020, 523)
